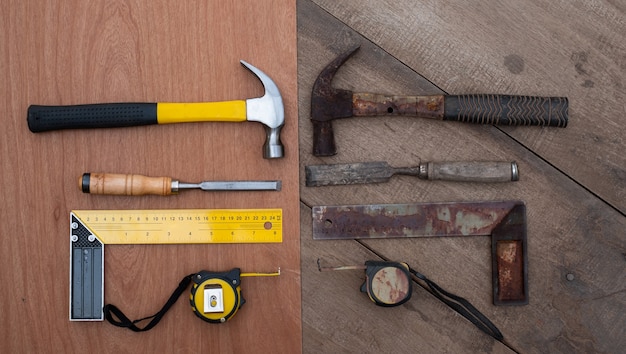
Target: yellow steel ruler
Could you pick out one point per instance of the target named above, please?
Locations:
(90, 230)
(183, 225)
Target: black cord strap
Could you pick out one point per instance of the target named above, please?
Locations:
(462, 306)
(121, 320)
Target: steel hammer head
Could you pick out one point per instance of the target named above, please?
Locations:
(328, 103)
(268, 110)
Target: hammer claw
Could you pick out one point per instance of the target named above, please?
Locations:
(328, 103)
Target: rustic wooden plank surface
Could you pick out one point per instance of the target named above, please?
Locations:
(541, 48)
(71, 52)
(572, 180)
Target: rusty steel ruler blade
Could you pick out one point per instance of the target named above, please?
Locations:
(504, 221)
(90, 230)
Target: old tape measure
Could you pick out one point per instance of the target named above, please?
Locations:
(388, 284)
(90, 230)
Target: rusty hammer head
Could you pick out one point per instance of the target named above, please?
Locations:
(268, 110)
(328, 103)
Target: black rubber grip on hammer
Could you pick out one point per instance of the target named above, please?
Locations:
(103, 115)
(507, 110)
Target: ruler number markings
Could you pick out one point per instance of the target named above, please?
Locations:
(186, 225)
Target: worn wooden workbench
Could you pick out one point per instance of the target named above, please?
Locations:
(573, 180)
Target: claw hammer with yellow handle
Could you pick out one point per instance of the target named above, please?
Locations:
(267, 110)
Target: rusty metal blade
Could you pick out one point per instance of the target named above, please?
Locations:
(408, 220)
(510, 259)
(348, 173)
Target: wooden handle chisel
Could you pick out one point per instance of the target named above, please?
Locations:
(378, 172)
(129, 184)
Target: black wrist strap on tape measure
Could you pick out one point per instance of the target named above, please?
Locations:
(116, 317)
(462, 306)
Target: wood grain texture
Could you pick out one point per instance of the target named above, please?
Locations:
(480, 171)
(535, 47)
(574, 198)
(73, 52)
(126, 184)
(572, 180)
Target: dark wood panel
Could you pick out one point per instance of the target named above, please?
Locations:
(575, 239)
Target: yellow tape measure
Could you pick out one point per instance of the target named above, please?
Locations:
(170, 226)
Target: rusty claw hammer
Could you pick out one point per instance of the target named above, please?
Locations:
(267, 110)
(328, 103)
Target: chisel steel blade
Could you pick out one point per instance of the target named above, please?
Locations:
(351, 173)
(233, 185)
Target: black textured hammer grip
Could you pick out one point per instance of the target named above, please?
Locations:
(105, 115)
(507, 110)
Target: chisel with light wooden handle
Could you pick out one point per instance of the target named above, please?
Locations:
(378, 172)
(126, 184)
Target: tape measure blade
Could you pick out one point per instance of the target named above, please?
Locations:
(184, 226)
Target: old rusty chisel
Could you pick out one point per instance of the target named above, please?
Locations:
(380, 171)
